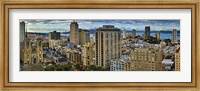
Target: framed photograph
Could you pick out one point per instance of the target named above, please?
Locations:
(95, 45)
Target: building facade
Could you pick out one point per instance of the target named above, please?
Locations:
(177, 59)
(124, 34)
(54, 43)
(147, 32)
(75, 57)
(146, 59)
(117, 65)
(128, 66)
(157, 35)
(22, 31)
(84, 36)
(174, 36)
(133, 33)
(87, 56)
(54, 35)
(107, 45)
(74, 34)
(54, 39)
(33, 51)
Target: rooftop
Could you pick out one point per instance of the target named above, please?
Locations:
(108, 28)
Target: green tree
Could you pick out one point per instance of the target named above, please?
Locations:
(59, 68)
(66, 67)
(52, 68)
(78, 66)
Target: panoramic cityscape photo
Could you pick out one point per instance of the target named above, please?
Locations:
(99, 45)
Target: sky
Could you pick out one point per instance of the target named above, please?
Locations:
(46, 26)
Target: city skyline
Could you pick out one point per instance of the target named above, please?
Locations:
(45, 26)
(110, 48)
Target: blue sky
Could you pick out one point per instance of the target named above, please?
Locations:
(38, 25)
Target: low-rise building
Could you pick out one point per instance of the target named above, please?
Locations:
(117, 65)
(88, 53)
(177, 59)
(146, 59)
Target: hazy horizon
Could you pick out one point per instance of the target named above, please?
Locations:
(47, 25)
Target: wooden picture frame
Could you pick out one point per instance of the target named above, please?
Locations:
(193, 5)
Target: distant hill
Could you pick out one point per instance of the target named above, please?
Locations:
(92, 31)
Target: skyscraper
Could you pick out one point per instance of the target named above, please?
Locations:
(54, 39)
(147, 32)
(74, 34)
(124, 33)
(22, 31)
(157, 34)
(174, 35)
(84, 36)
(54, 35)
(108, 39)
(133, 33)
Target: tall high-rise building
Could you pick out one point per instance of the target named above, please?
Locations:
(146, 59)
(147, 32)
(22, 31)
(174, 35)
(177, 59)
(74, 34)
(54, 39)
(133, 33)
(124, 34)
(88, 53)
(107, 45)
(84, 36)
(157, 35)
(94, 39)
(54, 35)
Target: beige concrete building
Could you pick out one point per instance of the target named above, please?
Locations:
(84, 36)
(162, 44)
(157, 35)
(87, 56)
(74, 34)
(177, 59)
(127, 66)
(107, 45)
(146, 59)
(75, 57)
(54, 43)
